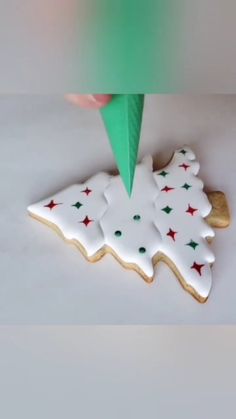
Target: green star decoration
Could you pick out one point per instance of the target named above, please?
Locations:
(77, 205)
(183, 152)
(167, 209)
(186, 186)
(163, 173)
(192, 244)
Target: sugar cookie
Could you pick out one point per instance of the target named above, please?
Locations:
(168, 218)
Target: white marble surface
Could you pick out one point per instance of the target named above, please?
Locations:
(46, 144)
(117, 372)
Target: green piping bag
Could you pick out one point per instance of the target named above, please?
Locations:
(123, 118)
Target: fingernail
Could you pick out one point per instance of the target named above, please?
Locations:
(100, 99)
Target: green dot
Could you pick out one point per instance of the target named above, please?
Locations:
(142, 250)
(136, 217)
(77, 205)
(167, 209)
(163, 173)
(118, 233)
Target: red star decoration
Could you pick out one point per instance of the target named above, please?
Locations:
(191, 210)
(198, 268)
(87, 191)
(52, 204)
(167, 189)
(172, 234)
(86, 221)
(184, 166)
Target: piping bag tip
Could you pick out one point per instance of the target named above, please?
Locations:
(123, 119)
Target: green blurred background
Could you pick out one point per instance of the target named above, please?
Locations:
(118, 46)
(131, 45)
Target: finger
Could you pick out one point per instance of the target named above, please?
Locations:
(89, 101)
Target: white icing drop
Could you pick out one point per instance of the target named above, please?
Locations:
(136, 240)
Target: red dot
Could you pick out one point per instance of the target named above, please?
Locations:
(86, 221)
(52, 204)
(87, 191)
(171, 233)
(167, 189)
(198, 268)
(191, 210)
(184, 166)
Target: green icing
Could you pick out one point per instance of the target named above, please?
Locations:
(192, 244)
(167, 209)
(77, 205)
(186, 186)
(163, 173)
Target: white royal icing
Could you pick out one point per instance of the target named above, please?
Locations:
(165, 215)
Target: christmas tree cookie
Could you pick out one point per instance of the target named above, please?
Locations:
(168, 218)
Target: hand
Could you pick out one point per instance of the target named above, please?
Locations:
(89, 101)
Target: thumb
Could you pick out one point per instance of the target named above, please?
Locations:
(89, 101)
